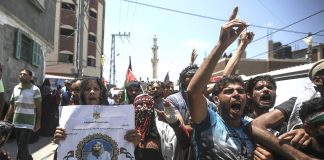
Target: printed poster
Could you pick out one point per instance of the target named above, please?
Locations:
(96, 132)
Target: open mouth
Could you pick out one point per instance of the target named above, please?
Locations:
(265, 98)
(92, 98)
(236, 106)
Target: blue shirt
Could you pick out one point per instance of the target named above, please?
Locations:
(214, 139)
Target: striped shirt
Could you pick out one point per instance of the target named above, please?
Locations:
(24, 103)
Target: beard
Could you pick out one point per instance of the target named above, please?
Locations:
(320, 139)
(156, 95)
(263, 106)
(131, 98)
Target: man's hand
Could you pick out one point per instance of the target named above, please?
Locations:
(161, 115)
(37, 126)
(59, 135)
(133, 136)
(246, 37)
(260, 153)
(232, 29)
(297, 137)
(170, 113)
(194, 55)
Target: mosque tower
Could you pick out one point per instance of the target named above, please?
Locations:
(155, 59)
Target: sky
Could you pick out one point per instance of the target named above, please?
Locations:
(183, 25)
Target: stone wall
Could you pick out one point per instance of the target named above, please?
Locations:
(11, 65)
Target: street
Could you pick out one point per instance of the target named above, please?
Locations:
(43, 149)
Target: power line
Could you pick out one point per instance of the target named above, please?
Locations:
(284, 28)
(283, 45)
(274, 15)
(289, 25)
(212, 18)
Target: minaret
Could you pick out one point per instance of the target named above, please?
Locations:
(155, 59)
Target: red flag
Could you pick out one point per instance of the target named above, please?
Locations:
(129, 74)
(129, 77)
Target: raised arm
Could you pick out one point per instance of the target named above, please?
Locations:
(194, 56)
(246, 38)
(197, 101)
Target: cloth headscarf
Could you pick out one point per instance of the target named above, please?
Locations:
(144, 114)
(318, 66)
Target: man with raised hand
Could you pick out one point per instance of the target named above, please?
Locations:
(225, 133)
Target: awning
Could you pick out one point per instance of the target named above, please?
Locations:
(57, 77)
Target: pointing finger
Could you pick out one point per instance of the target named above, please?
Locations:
(234, 13)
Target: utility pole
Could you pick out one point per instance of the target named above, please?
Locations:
(155, 59)
(309, 49)
(112, 73)
(80, 39)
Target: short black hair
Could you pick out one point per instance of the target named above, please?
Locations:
(253, 81)
(184, 74)
(168, 83)
(133, 83)
(30, 73)
(222, 83)
(311, 106)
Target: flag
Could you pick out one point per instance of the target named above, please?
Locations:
(308, 40)
(167, 78)
(127, 154)
(129, 74)
(129, 77)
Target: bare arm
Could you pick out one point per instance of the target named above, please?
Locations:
(197, 101)
(9, 112)
(38, 116)
(267, 139)
(246, 38)
(298, 137)
(270, 119)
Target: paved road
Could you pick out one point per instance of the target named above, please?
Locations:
(43, 149)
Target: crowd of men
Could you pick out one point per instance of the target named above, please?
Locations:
(232, 119)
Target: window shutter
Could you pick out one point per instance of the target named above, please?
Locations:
(40, 53)
(36, 54)
(18, 44)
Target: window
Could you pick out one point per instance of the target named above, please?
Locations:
(67, 6)
(66, 32)
(92, 14)
(92, 38)
(65, 58)
(91, 62)
(27, 49)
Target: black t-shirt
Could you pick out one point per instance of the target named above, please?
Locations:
(287, 107)
(312, 152)
(147, 154)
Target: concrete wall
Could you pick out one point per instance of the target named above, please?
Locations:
(11, 65)
(34, 22)
(42, 22)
